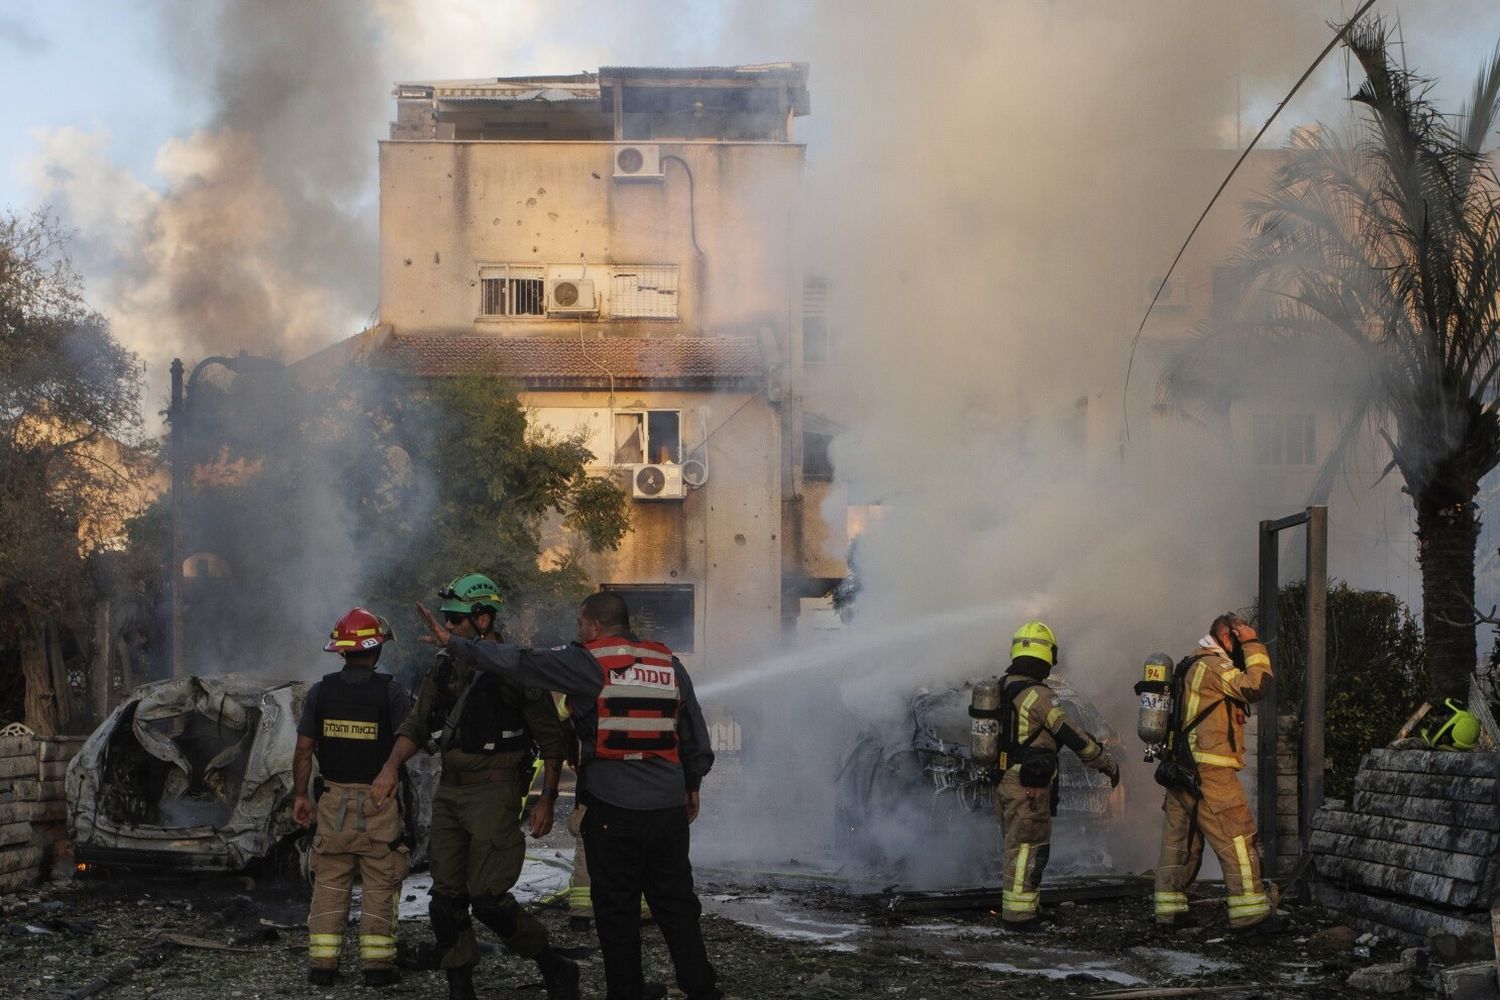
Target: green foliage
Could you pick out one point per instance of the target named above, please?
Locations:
(1372, 285)
(68, 394)
(1376, 671)
(376, 490)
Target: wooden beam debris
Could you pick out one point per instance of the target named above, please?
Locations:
(1079, 889)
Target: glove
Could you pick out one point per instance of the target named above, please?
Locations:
(1109, 768)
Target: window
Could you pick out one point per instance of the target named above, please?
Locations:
(512, 290)
(647, 291)
(1284, 438)
(816, 345)
(648, 437)
(817, 466)
(661, 613)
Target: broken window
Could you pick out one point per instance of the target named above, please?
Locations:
(817, 465)
(512, 290)
(1284, 438)
(648, 437)
(646, 292)
(662, 613)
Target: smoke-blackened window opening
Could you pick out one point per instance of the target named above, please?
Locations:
(1284, 438)
(662, 613)
(817, 345)
(651, 437)
(817, 464)
(645, 291)
(512, 290)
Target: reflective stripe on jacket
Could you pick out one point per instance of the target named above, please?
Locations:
(638, 704)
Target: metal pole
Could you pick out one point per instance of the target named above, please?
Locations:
(1265, 709)
(1313, 681)
(177, 418)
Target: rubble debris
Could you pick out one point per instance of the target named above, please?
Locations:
(1468, 982)
(1336, 940)
(1387, 977)
(1060, 891)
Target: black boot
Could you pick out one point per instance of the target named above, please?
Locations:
(461, 983)
(322, 977)
(559, 975)
(382, 976)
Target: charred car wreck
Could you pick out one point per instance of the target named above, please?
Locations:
(195, 774)
(922, 792)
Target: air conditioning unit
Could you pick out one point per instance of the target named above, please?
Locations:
(638, 163)
(571, 297)
(1173, 296)
(657, 482)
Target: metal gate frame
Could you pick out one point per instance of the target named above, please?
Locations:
(1313, 680)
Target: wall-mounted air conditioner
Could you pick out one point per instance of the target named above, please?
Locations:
(657, 482)
(638, 163)
(1173, 296)
(571, 297)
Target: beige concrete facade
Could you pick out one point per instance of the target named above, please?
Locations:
(493, 191)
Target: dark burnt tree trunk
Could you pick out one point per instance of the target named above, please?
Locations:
(1447, 534)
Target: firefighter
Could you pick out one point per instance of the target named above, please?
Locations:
(644, 750)
(1032, 726)
(1206, 748)
(486, 730)
(349, 721)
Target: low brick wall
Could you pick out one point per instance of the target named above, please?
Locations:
(33, 808)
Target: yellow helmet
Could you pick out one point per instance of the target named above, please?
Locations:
(1034, 639)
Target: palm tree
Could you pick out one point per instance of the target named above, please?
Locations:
(1379, 257)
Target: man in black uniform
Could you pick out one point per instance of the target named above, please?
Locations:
(349, 720)
(644, 752)
(485, 728)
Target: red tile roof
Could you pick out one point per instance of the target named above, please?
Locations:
(571, 363)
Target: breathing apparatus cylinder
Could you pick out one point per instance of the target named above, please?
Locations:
(1154, 716)
(984, 733)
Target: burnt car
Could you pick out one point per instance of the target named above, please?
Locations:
(195, 774)
(915, 798)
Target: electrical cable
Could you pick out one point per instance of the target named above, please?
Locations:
(1333, 43)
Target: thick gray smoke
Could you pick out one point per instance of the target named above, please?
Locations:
(991, 192)
(988, 186)
(262, 236)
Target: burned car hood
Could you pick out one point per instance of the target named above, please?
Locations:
(191, 772)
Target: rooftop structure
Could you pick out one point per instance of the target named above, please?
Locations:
(733, 103)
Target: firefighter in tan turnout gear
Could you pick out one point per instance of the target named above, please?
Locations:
(1032, 727)
(1205, 751)
(349, 720)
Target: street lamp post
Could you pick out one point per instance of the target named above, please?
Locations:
(177, 419)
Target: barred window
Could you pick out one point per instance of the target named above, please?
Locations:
(1284, 438)
(512, 290)
(645, 291)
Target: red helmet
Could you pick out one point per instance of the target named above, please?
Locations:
(357, 631)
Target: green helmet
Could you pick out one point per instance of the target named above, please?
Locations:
(1460, 730)
(471, 594)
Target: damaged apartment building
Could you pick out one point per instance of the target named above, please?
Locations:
(623, 246)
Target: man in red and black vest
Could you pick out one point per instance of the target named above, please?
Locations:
(644, 751)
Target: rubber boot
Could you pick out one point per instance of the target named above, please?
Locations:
(322, 977)
(461, 983)
(382, 976)
(559, 975)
